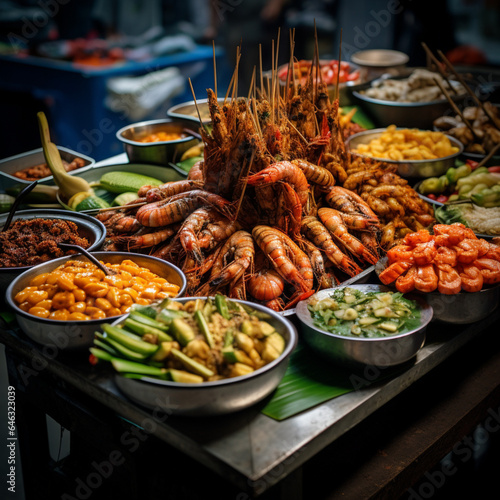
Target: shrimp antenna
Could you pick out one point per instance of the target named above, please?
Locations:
(252, 84)
(244, 174)
(262, 92)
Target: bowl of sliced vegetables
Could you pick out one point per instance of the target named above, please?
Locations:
(198, 356)
(364, 325)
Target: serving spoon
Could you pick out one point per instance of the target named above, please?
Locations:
(108, 271)
(16, 204)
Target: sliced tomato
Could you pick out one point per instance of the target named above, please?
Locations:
(442, 198)
(432, 196)
(494, 169)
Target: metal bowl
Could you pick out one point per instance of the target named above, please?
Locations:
(71, 335)
(403, 114)
(88, 227)
(376, 62)
(354, 351)
(162, 152)
(217, 397)
(8, 166)
(408, 168)
(460, 309)
(187, 110)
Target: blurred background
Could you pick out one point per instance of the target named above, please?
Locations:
(96, 65)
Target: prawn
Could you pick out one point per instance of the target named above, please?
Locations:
(282, 171)
(426, 279)
(266, 285)
(424, 253)
(314, 173)
(471, 278)
(286, 257)
(332, 220)
(445, 255)
(406, 282)
(400, 253)
(240, 248)
(169, 189)
(348, 202)
(490, 269)
(188, 232)
(449, 282)
(466, 252)
(413, 239)
(313, 229)
(146, 240)
(393, 271)
(178, 207)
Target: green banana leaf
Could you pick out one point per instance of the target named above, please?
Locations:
(310, 381)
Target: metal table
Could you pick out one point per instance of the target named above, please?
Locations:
(249, 451)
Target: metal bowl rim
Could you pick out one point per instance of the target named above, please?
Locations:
(404, 58)
(76, 154)
(305, 319)
(54, 212)
(161, 121)
(289, 348)
(20, 312)
(376, 131)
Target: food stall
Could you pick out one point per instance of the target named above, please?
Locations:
(364, 368)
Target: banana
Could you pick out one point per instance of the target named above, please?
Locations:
(69, 185)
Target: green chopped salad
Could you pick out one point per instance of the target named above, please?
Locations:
(351, 312)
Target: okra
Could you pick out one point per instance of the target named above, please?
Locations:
(221, 305)
(126, 366)
(125, 351)
(147, 320)
(101, 354)
(191, 364)
(203, 326)
(138, 346)
(142, 329)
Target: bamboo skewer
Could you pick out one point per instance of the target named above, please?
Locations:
(196, 106)
(488, 156)
(455, 108)
(438, 67)
(215, 69)
(467, 88)
(337, 90)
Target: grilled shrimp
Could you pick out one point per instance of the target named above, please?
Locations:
(315, 231)
(332, 220)
(282, 171)
(178, 207)
(285, 255)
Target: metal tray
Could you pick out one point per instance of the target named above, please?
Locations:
(31, 158)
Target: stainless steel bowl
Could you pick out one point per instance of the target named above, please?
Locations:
(162, 152)
(408, 168)
(88, 227)
(187, 110)
(403, 114)
(376, 62)
(218, 397)
(8, 166)
(460, 309)
(71, 335)
(354, 351)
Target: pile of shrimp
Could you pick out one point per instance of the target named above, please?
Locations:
(264, 216)
(399, 208)
(450, 260)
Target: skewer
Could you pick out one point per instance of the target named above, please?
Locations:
(438, 67)
(261, 74)
(488, 156)
(215, 69)
(196, 106)
(467, 88)
(252, 83)
(337, 91)
(455, 108)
